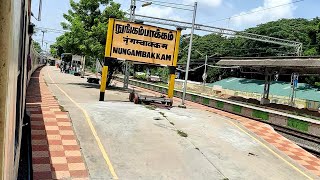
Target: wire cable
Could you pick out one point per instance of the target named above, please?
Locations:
(167, 6)
(163, 2)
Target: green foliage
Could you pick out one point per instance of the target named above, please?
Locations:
(313, 80)
(310, 52)
(163, 73)
(141, 77)
(213, 74)
(37, 46)
(87, 23)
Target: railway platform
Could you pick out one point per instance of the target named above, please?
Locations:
(120, 140)
(55, 150)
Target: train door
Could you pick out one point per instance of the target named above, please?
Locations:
(21, 85)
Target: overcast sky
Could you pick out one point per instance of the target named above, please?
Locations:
(233, 14)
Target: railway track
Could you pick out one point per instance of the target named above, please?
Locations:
(308, 142)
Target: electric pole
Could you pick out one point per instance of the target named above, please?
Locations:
(189, 53)
(43, 31)
(127, 65)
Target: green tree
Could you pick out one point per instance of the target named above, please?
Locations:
(87, 23)
(37, 46)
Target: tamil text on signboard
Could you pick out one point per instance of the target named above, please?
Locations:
(143, 43)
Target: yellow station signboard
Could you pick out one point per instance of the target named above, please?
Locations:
(143, 43)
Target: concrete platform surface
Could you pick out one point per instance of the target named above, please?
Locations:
(121, 140)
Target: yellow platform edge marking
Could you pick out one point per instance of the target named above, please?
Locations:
(94, 132)
(269, 149)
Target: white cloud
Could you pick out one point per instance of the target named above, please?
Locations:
(155, 11)
(159, 12)
(249, 18)
(211, 3)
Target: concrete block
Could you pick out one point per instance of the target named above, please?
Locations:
(212, 103)
(246, 112)
(189, 97)
(264, 101)
(314, 129)
(278, 120)
(227, 107)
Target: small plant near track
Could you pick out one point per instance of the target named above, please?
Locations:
(151, 107)
(62, 108)
(162, 113)
(182, 134)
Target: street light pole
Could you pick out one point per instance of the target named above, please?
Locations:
(189, 53)
(127, 67)
(132, 10)
(43, 31)
(204, 77)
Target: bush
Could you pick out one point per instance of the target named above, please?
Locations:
(141, 77)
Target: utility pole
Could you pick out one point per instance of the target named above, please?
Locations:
(83, 66)
(43, 31)
(133, 10)
(189, 54)
(127, 65)
(46, 46)
(204, 76)
(294, 85)
(40, 10)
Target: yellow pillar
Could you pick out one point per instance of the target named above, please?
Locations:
(104, 76)
(103, 85)
(173, 67)
(171, 85)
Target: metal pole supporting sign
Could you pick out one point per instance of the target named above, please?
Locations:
(189, 54)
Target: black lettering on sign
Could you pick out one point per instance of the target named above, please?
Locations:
(143, 54)
(168, 57)
(139, 53)
(153, 56)
(128, 29)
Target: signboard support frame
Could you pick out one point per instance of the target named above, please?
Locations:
(172, 69)
(104, 75)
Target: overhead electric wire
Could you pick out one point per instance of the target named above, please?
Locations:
(194, 69)
(264, 9)
(168, 6)
(163, 2)
(164, 5)
(52, 30)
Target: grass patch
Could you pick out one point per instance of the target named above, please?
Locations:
(182, 134)
(62, 108)
(150, 107)
(172, 123)
(46, 83)
(162, 113)
(55, 97)
(197, 148)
